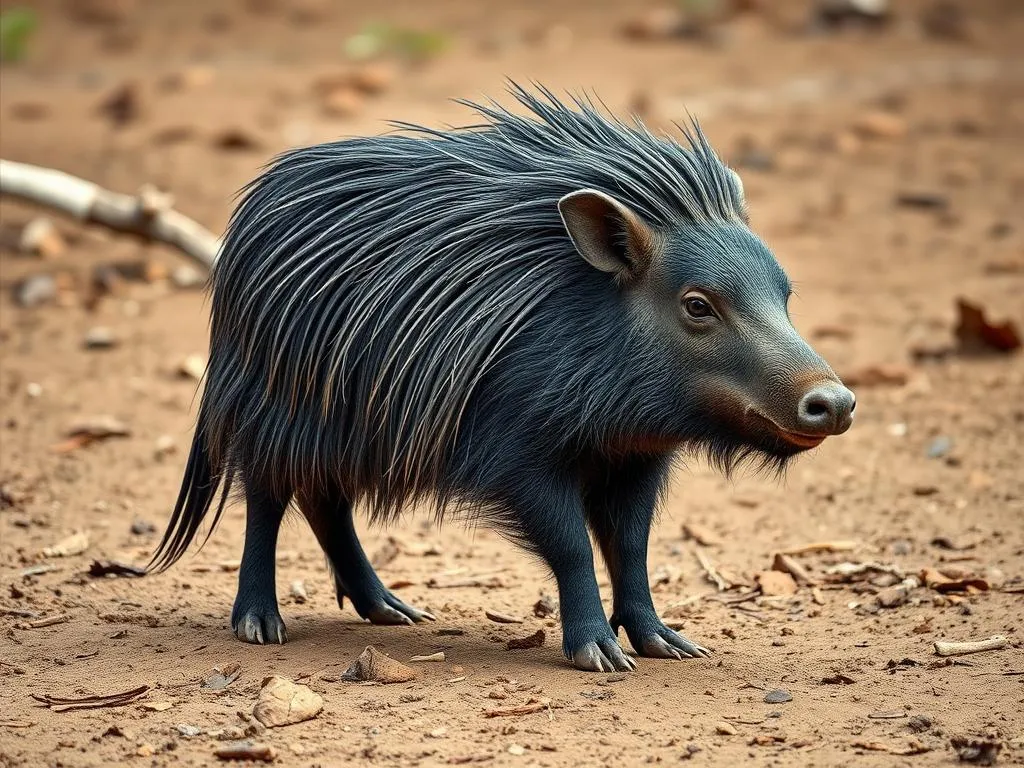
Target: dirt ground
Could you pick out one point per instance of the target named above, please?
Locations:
(828, 129)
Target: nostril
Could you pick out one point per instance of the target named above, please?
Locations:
(853, 406)
(816, 408)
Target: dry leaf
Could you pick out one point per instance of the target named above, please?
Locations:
(283, 702)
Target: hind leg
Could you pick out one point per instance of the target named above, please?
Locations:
(330, 517)
(255, 617)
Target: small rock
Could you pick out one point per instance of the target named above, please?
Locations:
(40, 237)
(374, 666)
(188, 731)
(939, 447)
(725, 729)
(342, 102)
(775, 583)
(545, 607)
(516, 749)
(298, 592)
(75, 544)
(919, 723)
(946, 20)
(142, 528)
(536, 640)
(842, 13)
(880, 125)
(656, 24)
(222, 676)
(236, 140)
(777, 696)
(165, 446)
(36, 290)
(192, 367)
(373, 79)
(100, 337)
(978, 751)
(893, 597)
(283, 702)
(187, 277)
(438, 733)
(195, 76)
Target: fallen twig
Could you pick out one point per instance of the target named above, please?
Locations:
(949, 648)
(821, 546)
(61, 704)
(147, 214)
(711, 572)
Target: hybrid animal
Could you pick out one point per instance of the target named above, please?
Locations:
(524, 321)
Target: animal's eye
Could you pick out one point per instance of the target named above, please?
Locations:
(697, 307)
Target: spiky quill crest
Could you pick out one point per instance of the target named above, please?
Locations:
(366, 287)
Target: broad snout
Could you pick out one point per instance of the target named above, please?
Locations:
(826, 409)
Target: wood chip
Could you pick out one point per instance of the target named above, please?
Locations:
(700, 534)
(502, 618)
(951, 648)
(711, 573)
(439, 656)
(247, 751)
(940, 582)
(786, 564)
(775, 583)
(49, 621)
(482, 581)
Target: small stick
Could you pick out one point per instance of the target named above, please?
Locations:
(785, 563)
(147, 214)
(821, 546)
(711, 572)
(49, 621)
(948, 648)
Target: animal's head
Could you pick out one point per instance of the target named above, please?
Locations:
(712, 302)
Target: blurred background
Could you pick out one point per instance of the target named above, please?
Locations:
(881, 143)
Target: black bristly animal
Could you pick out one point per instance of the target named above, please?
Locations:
(408, 318)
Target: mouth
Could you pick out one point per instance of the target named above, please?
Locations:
(797, 439)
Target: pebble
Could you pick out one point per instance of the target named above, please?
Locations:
(298, 591)
(36, 290)
(939, 447)
(192, 367)
(100, 337)
(919, 723)
(188, 731)
(142, 528)
(41, 238)
(881, 125)
(186, 277)
(725, 729)
(165, 446)
(777, 696)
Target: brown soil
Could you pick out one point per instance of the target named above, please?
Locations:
(876, 281)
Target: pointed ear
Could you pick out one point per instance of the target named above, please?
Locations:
(607, 234)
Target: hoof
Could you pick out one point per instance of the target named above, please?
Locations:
(260, 627)
(604, 655)
(390, 610)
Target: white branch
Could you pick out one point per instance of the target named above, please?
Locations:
(146, 215)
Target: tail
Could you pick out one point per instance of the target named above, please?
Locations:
(198, 489)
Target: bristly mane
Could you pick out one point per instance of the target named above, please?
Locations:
(366, 286)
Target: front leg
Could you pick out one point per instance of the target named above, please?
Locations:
(620, 501)
(548, 517)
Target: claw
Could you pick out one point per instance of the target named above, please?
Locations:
(261, 628)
